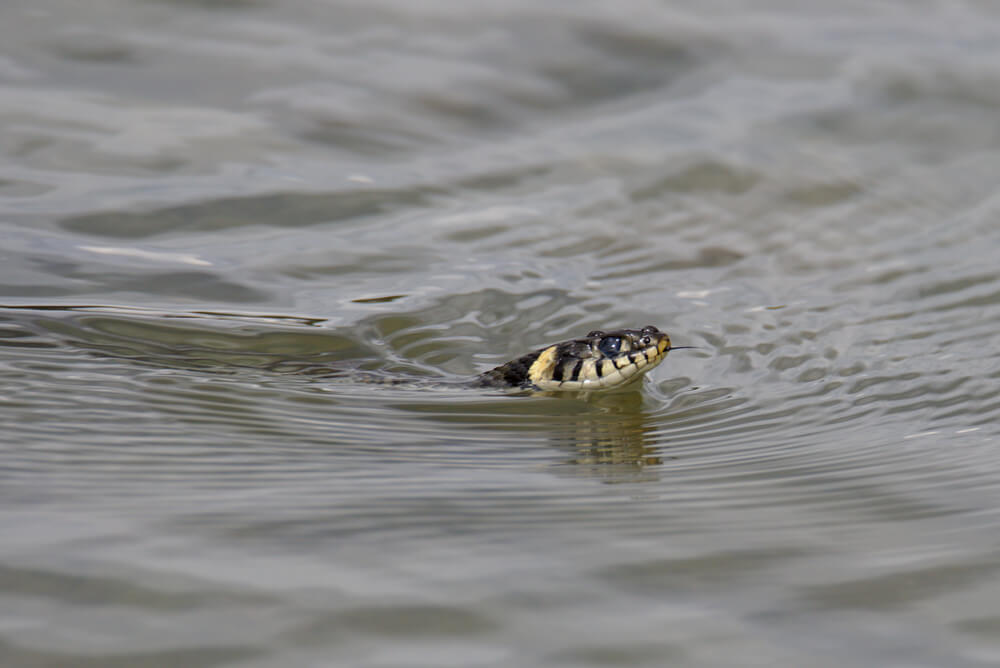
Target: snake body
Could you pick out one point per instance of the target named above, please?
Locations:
(599, 360)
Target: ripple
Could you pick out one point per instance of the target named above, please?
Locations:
(223, 218)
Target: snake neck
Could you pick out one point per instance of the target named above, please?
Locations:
(514, 374)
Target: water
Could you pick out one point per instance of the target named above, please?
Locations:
(204, 203)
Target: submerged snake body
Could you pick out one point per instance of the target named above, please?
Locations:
(598, 361)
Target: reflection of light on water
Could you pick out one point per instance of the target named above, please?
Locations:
(159, 256)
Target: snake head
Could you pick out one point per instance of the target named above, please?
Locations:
(602, 359)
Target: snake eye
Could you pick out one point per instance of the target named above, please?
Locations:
(647, 333)
(610, 345)
(594, 334)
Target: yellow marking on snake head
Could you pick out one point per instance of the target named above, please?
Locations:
(541, 368)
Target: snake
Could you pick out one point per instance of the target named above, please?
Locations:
(601, 360)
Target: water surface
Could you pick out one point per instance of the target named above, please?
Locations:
(217, 215)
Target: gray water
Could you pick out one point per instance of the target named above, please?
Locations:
(214, 214)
